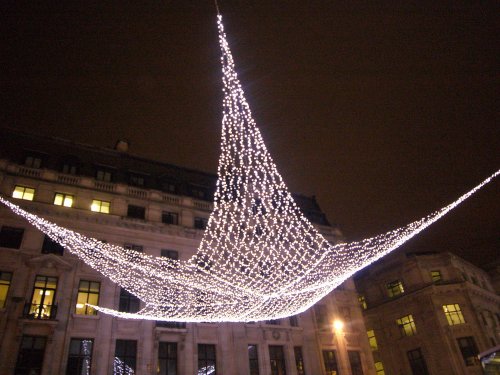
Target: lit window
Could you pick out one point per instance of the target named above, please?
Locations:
(407, 325)
(43, 299)
(79, 357)
(100, 206)
(453, 314)
(11, 237)
(379, 368)
(469, 350)
(372, 339)
(5, 278)
(65, 200)
(23, 192)
(88, 292)
(436, 276)
(395, 288)
(362, 302)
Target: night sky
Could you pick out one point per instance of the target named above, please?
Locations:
(385, 112)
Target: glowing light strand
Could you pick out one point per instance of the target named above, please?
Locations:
(259, 257)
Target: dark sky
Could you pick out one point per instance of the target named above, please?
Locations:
(385, 112)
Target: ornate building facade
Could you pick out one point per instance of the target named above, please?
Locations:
(429, 314)
(47, 328)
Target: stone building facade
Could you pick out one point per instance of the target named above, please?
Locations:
(45, 326)
(428, 314)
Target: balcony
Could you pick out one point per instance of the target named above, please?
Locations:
(39, 312)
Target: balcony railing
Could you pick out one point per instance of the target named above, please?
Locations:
(37, 311)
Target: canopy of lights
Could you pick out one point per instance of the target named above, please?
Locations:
(259, 258)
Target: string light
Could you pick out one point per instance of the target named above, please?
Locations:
(259, 258)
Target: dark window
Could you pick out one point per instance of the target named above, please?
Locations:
(417, 362)
(167, 358)
(136, 212)
(136, 180)
(294, 321)
(206, 360)
(131, 246)
(69, 168)
(103, 175)
(469, 350)
(33, 161)
(5, 278)
(253, 359)
(51, 247)
(198, 192)
(43, 299)
(170, 254)
(125, 357)
(330, 361)
(170, 218)
(169, 187)
(88, 292)
(171, 325)
(321, 315)
(299, 360)
(128, 302)
(355, 362)
(11, 237)
(273, 322)
(277, 358)
(200, 223)
(79, 357)
(30, 357)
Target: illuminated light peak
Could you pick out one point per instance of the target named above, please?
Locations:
(259, 258)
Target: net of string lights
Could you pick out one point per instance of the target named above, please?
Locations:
(259, 258)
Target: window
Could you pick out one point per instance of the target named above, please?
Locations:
(69, 168)
(299, 360)
(23, 192)
(321, 315)
(253, 359)
(136, 212)
(50, 246)
(200, 223)
(65, 200)
(88, 292)
(167, 358)
(395, 288)
(79, 357)
(30, 357)
(125, 357)
(379, 368)
(277, 358)
(136, 179)
(469, 350)
(206, 360)
(453, 314)
(198, 192)
(171, 325)
(5, 278)
(362, 302)
(407, 325)
(372, 339)
(417, 362)
(294, 321)
(436, 276)
(355, 362)
(33, 161)
(100, 206)
(170, 254)
(103, 175)
(169, 187)
(170, 218)
(273, 322)
(42, 301)
(11, 237)
(330, 361)
(128, 302)
(131, 246)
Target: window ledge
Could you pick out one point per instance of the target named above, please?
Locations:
(83, 316)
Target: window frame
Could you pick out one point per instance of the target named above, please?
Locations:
(417, 362)
(406, 322)
(436, 276)
(127, 359)
(49, 246)
(453, 312)
(253, 359)
(165, 357)
(43, 310)
(330, 361)
(170, 217)
(128, 302)
(277, 359)
(469, 352)
(11, 237)
(205, 361)
(80, 358)
(86, 294)
(24, 192)
(100, 206)
(200, 222)
(372, 339)
(299, 360)
(395, 288)
(5, 283)
(136, 212)
(67, 200)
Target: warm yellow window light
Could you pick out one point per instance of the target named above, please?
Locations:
(65, 200)
(100, 206)
(23, 192)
